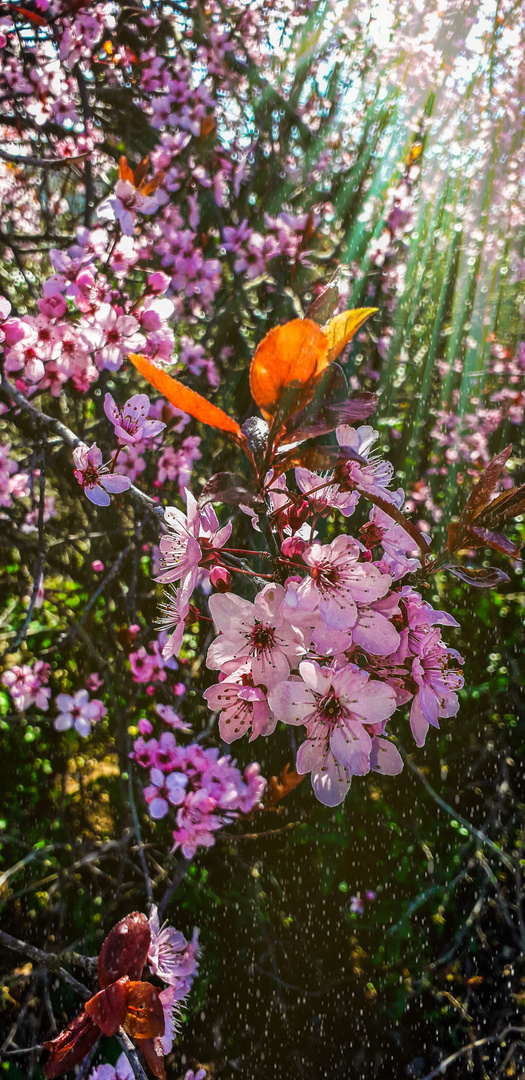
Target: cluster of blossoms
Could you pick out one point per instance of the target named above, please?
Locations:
(336, 647)
(27, 685)
(204, 790)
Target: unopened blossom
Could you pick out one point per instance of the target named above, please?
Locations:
(257, 633)
(77, 711)
(337, 704)
(131, 422)
(94, 477)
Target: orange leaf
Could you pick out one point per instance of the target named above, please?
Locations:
(144, 1017)
(289, 356)
(185, 399)
(341, 329)
(279, 788)
(152, 185)
(124, 171)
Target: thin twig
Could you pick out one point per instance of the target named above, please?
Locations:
(499, 1037)
(48, 960)
(180, 873)
(454, 813)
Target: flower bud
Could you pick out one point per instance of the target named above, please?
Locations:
(297, 515)
(221, 578)
(293, 546)
(144, 726)
(158, 283)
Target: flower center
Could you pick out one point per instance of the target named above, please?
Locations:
(262, 637)
(330, 708)
(325, 575)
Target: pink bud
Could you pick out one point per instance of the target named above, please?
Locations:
(221, 578)
(293, 546)
(14, 330)
(97, 566)
(297, 515)
(144, 726)
(52, 306)
(150, 690)
(158, 283)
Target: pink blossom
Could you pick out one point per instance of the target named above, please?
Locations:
(173, 616)
(377, 474)
(190, 536)
(255, 632)
(164, 791)
(121, 1071)
(112, 335)
(94, 478)
(170, 956)
(242, 706)
(79, 712)
(336, 704)
(337, 582)
(131, 422)
(437, 682)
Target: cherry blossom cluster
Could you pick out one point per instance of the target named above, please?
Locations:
(27, 685)
(337, 644)
(198, 787)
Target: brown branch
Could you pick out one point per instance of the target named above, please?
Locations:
(41, 162)
(48, 960)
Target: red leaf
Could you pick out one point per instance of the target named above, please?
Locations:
(488, 578)
(505, 506)
(107, 1009)
(278, 788)
(29, 16)
(487, 538)
(152, 1051)
(187, 400)
(125, 950)
(229, 487)
(124, 170)
(73, 1043)
(144, 1017)
(288, 358)
(479, 496)
(328, 417)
